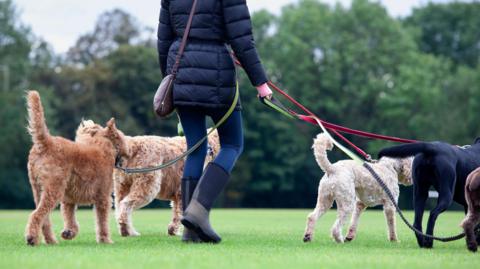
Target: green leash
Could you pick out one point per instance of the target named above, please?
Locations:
(279, 107)
(188, 152)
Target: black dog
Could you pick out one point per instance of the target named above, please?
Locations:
(443, 166)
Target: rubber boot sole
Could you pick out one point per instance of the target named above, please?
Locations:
(203, 236)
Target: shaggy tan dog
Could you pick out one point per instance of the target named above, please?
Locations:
(134, 191)
(72, 173)
(472, 220)
(354, 189)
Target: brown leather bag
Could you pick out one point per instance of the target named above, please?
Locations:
(163, 100)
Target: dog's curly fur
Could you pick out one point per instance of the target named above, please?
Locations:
(472, 220)
(134, 191)
(354, 189)
(72, 173)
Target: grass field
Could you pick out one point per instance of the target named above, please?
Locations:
(252, 239)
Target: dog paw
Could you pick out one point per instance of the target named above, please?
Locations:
(32, 240)
(51, 241)
(428, 243)
(172, 230)
(349, 239)
(393, 240)
(105, 241)
(124, 230)
(307, 238)
(472, 247)
(68, 234)
(134, 233)
(337, 237)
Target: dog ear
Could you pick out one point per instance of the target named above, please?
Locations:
(111, 124)
(93, 133)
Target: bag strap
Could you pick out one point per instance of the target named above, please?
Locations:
(184, 40)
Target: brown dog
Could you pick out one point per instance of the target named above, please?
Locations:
(134, 191)
(72, 173)
(472, 195)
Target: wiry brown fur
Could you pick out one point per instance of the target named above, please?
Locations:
(354, 189)
(472, 220)
(60, 170)
(134, 191)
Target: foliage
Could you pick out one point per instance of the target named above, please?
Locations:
(451, 30)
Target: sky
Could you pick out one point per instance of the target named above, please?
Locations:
(61, 22)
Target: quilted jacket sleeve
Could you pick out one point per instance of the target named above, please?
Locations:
(165, 35)
(239, 34)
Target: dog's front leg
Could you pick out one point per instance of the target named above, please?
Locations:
(477, 232)
(389, 212)
(469, 224)
(174, 225)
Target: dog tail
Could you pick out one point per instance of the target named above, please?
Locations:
(36, 120)
(320, 146)
(406, 150)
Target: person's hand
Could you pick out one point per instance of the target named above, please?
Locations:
(264, 91)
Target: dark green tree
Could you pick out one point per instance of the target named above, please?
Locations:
(451, 30)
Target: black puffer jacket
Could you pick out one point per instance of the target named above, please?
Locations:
(206, 76)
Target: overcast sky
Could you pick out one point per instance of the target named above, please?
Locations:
(60, 22)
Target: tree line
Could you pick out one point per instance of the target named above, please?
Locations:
(416, 77)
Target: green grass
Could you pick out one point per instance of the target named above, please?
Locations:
(252, 239)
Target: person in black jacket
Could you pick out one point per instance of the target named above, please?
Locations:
(205, 86)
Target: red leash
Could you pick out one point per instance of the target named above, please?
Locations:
(336, 129)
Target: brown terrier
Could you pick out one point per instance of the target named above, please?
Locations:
(72, 173)
(134, 191)
(472, 195)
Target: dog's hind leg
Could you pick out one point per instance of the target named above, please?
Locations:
(324, 203)
(102, 208)
(420, 190)
(447, 176)
(173, 227)
(352, 232)
(47, 231)
(70, 228)
(37, 190)
(46, 204)
(344, 210)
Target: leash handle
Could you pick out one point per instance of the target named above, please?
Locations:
(276, 105)
(195, 147)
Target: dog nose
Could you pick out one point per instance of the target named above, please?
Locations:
(118, 161)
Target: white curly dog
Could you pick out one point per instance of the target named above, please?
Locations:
(354, 189)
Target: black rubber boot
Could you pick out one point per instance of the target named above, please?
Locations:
(188, 187)
(196, 217)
